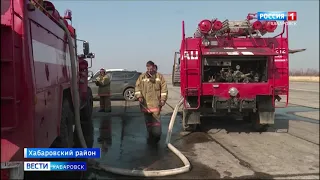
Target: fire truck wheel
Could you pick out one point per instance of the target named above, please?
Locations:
(246, 118)
(255, 123)
(87, 130)
(176, 84)
(86, 123)
(190, 127)
(86, 112)
(185, 125)
(65, 138)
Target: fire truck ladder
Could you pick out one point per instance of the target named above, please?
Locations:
(188, 56)
(9, 102)
(233, 28)
(238, 28)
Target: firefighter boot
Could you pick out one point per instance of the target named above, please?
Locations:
(153, 127)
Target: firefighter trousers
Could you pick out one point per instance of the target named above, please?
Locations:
(153, 124)
(105, 103)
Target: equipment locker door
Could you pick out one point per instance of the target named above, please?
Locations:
(176, 70)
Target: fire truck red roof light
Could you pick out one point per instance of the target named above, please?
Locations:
(205, 26)
(206, 42)
(270, 26)
(257, 25)
(217, 25)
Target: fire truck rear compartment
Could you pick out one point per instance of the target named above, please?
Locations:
(234, 69)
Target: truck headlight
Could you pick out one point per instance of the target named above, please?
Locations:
(214, 43)
(233, 91)
(187, 105)
(206, 42)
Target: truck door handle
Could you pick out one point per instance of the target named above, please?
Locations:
(125, 81)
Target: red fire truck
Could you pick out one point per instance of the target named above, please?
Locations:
(37, 98)
(231, 67)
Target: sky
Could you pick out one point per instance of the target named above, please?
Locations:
(126, 34)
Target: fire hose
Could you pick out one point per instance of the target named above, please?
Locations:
(97, 165)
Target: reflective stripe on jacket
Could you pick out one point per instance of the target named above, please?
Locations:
(152, 90)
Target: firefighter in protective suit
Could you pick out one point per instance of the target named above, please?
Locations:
(103, 81)
(151, 91)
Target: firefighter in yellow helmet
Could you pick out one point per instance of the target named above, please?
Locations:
(103, 81)
(151, 91)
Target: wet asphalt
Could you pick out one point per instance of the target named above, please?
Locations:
(121, 135)
(123, 140)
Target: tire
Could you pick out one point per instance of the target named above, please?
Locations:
(247, 118)
(185, 126)
(86, 123)
(128, 94)
(87, 130)
(176, 84)
(190, 127)
(65, 138)
(86, 112)
(255, 125)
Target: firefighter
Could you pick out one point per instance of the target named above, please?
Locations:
(103, 81)
(151, 91)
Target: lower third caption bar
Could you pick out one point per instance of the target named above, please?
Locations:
(54, 166)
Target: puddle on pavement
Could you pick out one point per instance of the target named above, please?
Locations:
(287, 113)
(123, 142)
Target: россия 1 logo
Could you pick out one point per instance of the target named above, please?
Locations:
(277, 16)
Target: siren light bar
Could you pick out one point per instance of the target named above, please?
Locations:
(263, 26)
(234, 28)
(206, 26)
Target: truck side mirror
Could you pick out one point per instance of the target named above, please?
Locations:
(91, 55)
(90, 75)
(86, 49)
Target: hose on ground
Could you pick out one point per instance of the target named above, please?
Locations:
(155, 173)
(97, 165)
